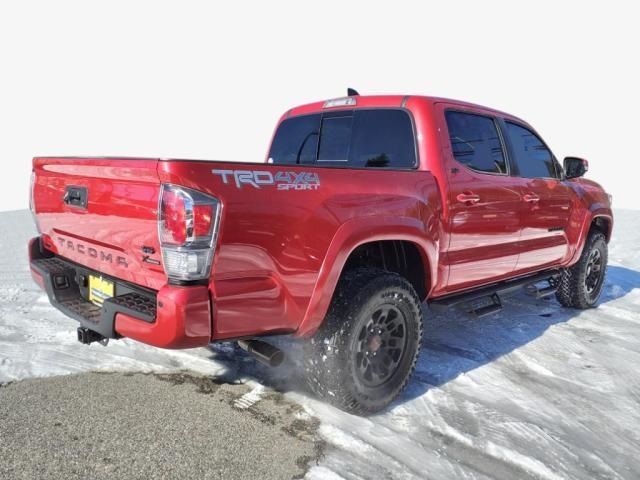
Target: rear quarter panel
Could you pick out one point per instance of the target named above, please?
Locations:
(280, 252)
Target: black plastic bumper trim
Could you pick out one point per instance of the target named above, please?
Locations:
(64, 284)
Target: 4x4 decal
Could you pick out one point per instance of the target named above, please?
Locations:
(281, 180)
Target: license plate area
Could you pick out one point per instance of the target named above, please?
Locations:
(100, 289)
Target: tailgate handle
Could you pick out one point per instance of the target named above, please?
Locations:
(75, 196)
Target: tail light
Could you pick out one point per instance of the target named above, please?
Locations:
(32, 201)
(188, 230)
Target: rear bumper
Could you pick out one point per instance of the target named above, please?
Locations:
(172, 317)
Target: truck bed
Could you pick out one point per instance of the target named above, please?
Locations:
(284, 230)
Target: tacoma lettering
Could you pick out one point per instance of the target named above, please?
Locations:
(93, 252)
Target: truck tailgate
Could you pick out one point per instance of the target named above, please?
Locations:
(101, 213)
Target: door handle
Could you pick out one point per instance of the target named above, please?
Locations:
(468, 197)
(531, 198)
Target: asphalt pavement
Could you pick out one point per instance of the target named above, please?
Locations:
(147, 426)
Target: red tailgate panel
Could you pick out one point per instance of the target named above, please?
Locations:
(119, 220)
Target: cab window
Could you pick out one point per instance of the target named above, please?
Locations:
(367, 138)
(475, 142)
(382, 139)
(531, 156)
(335, 139)
(296, 141)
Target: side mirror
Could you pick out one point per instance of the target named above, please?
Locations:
(575, 167)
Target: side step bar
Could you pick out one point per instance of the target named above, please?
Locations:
(489, 297)
(542, 292)
(494, 307)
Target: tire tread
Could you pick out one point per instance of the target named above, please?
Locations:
(571, 292)
(325, 375)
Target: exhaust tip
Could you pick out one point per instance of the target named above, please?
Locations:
(276, 359)
(264, 352)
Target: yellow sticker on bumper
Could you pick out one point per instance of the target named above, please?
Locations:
(99, 290)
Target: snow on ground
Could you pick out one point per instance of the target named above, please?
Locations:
(37, 340)
(536, 391)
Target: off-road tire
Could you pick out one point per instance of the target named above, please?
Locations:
(572, 287)
(380, 304)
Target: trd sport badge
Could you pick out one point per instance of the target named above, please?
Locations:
(281, 180)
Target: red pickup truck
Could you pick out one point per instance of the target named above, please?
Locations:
(365, 208)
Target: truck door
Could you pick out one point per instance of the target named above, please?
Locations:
(484, 202)
(546, 199)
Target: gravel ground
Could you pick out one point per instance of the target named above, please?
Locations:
(109, 425)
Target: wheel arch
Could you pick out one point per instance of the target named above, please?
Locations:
(599, 219)
(602, 223)
(403, 257)
(360, 234)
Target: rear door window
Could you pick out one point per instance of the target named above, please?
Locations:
(475, 142)
(376, 138)
(531, 155)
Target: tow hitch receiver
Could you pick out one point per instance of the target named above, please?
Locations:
(87, 337)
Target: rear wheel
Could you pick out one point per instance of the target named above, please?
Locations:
(580, 286)
(365, 352)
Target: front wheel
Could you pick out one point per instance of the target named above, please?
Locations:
(580, 285)
(366, 350)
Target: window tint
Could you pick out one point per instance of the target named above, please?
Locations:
(296, 140)
(380, 138)
(533, 159)
(475, 142)
(335, 138)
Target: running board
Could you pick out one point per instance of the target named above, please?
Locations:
(541, 292)
(482, 310)
(444, 303)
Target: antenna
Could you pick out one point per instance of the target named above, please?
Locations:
(352, 92)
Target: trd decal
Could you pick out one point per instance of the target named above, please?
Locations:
(260, 178)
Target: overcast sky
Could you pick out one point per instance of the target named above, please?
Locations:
(191, 79)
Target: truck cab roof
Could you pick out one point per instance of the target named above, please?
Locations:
(387, 101)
